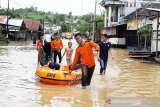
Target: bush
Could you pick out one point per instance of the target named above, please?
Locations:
(2, 37)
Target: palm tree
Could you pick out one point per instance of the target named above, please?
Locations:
(145, 31)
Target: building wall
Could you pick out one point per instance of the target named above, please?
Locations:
(120, 9)
(127, 7)
(153, 42)
(154, 36)
(132, 6)
(154, 24)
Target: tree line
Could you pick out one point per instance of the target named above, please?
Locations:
(83, 23)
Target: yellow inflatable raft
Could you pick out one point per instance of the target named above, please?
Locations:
(59, 77)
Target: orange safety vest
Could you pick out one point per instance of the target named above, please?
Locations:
(56, 45)
(85, 52)
(39, 45)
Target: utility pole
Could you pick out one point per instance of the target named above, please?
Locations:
(43, 21)
(94, 20)
(7, 20)
(137, 25)
(90, 27)
(70, 19)
(158, 14)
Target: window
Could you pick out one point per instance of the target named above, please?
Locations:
(127, 5)
(142, 4)
(122, 11)
(134, 4)
(130, 4)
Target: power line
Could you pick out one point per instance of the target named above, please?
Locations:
(16, 3)
(81, 7)
(99, 7)
(94, 20)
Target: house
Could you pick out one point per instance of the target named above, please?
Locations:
(135, 21)
(155, 41)
(115, 19)
(17, 29)
(116, 10)
(28, 23)
(154, 36)
(21, 28)
(36, 28)
(33, 27)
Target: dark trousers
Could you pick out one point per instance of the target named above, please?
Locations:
(59, 55)
(87, 73)
(34, 40)
(103, 64)
(54, 65)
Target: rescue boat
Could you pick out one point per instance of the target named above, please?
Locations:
(59, 77)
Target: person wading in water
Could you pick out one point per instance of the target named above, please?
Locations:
(85, 53)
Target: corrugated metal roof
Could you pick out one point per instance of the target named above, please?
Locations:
(154, 9)
(15, 22)
(3, 19)
(144, 11)
(13, 28)
(140, 12)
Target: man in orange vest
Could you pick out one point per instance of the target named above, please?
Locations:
(85, 53)
(57, 46)
(38, 47)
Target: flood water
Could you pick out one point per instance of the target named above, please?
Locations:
(125, 77)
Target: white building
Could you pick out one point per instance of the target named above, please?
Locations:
(154, 36)
(116, 10)
(115, 22)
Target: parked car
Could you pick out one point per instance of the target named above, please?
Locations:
(69, 35)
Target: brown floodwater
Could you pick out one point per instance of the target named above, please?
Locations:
(125, 77)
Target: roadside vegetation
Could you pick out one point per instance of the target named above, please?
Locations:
(80, 23)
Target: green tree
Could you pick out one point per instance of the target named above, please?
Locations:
(63, 26)
(145, 32)
(83, 27)
(100, 24)
(1, 31)
(81, 23)
(87, 17)
(85, 22)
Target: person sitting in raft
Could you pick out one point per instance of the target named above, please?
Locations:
(46, 56)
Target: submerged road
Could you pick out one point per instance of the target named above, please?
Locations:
(125, 78)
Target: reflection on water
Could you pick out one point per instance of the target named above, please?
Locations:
(125, 77)
(63, 96)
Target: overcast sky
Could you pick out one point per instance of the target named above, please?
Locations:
(77, 7)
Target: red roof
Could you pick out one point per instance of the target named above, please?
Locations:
(28, 23)
(32, 25)
(35, 25)
(3, 19)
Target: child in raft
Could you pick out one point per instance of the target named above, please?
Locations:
(68, 51)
